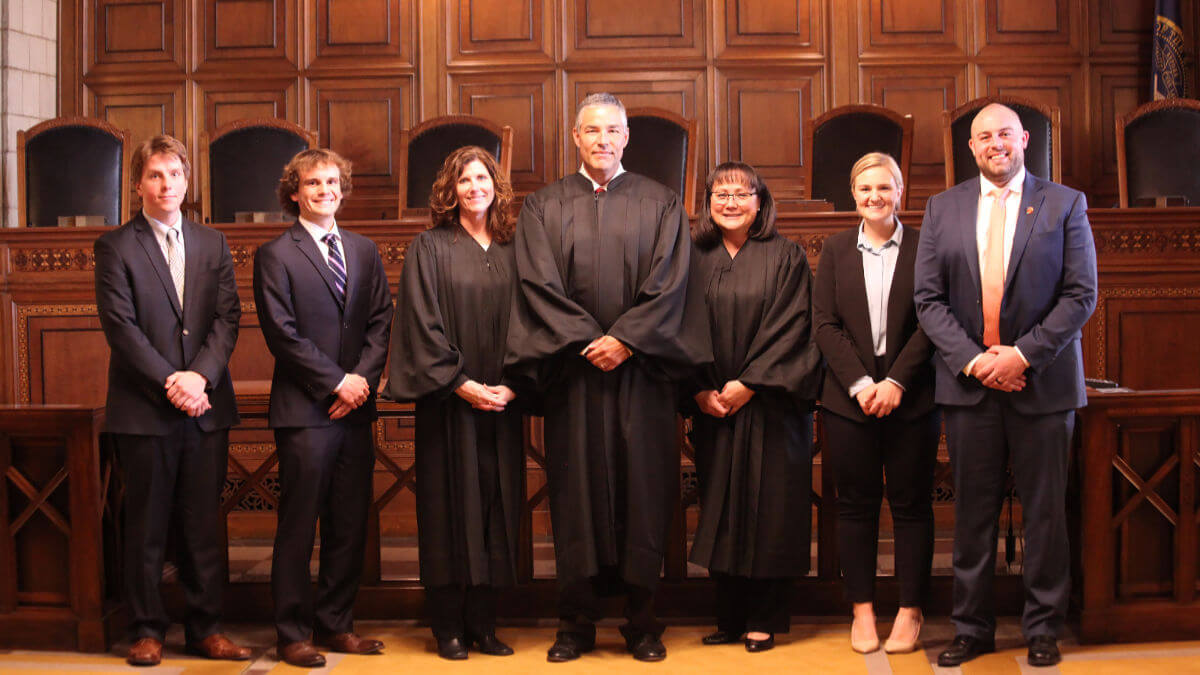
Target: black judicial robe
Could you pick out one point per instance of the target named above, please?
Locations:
(451, 325)
(616, 264)
(755, 467)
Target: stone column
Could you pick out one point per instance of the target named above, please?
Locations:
(28, 80)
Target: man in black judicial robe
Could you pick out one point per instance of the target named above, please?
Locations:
(603, 258)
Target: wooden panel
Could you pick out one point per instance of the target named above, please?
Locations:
(679, 91)
(768, 25)
(1060, 85)
(145, 110)
(528, 107)
(347, 30)
(1142, 329)
(1121, 26)
(362, 119)
(765, 112)
(634, 27)
(1040, 23)
(923, 95)
(501, 29)
(247, 29)
(914, 25)
(138, 31)
(62, 355)
(1116, 90)
(222, 102)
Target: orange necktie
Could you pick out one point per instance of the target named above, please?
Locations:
(993, 270)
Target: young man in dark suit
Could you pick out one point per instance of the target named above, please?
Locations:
(325, 310)
(168, 304)
(1005, 279)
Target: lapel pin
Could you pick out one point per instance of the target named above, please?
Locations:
(1028, 209)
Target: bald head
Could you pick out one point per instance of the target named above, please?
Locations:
(998, 142)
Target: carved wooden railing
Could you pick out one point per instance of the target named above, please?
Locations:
(1141, 516)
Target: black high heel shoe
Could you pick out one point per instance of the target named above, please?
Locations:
(753, 645)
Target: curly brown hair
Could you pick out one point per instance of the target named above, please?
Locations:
(303, 162)
(443, 198)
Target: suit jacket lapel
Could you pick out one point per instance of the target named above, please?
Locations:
(353, 267)
(309, 248)
(1030, 209)
(859, 323)
(191, 261)
(145, 236)
(968, 205)
(900, 294)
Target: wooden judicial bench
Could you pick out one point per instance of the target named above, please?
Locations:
(1134, 502)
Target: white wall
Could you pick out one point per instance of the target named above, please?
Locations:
(28, 81)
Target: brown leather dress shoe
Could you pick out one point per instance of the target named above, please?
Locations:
(145, 652)
(301, 654)
(349, 643)
(217, 646)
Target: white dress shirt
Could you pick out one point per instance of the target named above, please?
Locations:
(160, 232)
(318, 234)
(879, 266)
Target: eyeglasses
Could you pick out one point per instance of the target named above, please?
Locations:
(738, 197)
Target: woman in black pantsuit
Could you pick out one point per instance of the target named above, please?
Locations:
(448, 343)
(877, 401)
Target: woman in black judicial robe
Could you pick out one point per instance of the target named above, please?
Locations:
(753, 431)
(447, 349)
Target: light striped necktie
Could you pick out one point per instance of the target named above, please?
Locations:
(336, 264)
(175, 262)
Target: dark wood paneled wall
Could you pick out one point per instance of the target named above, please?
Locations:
(359, 71)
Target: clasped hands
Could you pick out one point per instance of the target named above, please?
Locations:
(353, 392)
(185, 390)
(485, 396)
(1001, 368)
(726, 402)
(606, 352)
(880, 398)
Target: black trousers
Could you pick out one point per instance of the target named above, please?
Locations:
(174, 482)
(325, 474)
(746, 605)
(983, 439)
(461, 611)
(862, 454)
(579, 606)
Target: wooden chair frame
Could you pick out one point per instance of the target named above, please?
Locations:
(691, 176)
(1127, 119)
(1052, 113)
(123, 135)
(208, 137)
(504, 161)
(904, 121)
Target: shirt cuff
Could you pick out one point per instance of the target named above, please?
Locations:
(341, 384)
(971, 364)
(1025, 360)
(860, 384)
(895, 383)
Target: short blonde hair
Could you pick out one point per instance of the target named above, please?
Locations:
(872, 160)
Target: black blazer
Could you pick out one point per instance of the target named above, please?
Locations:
(315, 337)
(151, 336)
(843, 328)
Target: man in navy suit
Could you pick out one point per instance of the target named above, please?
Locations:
(1005, 280)
(326, 311)
(168, 304)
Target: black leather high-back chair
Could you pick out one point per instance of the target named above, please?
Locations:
(425, 147)
(836, 140)
(661, 147)
(1157, 146)
(72, 166)
(241, 163)
(1043, 156)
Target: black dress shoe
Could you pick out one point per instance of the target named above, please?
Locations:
(760, 645)
(452, 648)
(1043, 651)
(647, 647)
(721, 637)
(963, 649)
(489, 644)
(567, 647)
